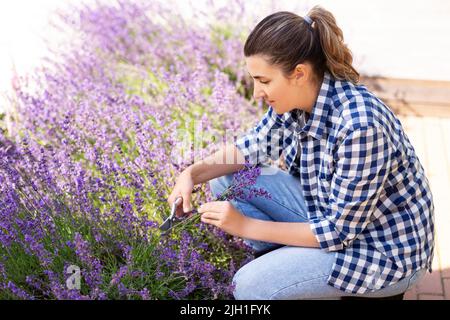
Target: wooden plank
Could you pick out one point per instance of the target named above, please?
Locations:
(412, 97)
(411, 294)
(413, 127)
(445, 219)
(447, 289)
(431, 297)
(410, 90)
(431, 283)
(417, 110)
(436, 142)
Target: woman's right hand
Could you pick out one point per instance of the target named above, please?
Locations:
(183, 188)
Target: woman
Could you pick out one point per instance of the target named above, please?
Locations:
(353, 214)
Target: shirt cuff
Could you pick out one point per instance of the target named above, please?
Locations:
(329, 239)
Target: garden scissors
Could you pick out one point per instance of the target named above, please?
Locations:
(169, 223)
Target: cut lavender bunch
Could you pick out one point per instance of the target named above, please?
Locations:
(242, 185)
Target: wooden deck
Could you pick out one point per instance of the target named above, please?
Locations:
(423, 107)
(430, 137)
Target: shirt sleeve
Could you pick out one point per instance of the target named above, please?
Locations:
(362, 166)
(264, 141)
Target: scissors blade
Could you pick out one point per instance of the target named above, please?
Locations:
(168, 223)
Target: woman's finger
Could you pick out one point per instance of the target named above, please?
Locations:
(211, 215)
(213, 206)
(208, 221)
(187, 202)
(170, 199)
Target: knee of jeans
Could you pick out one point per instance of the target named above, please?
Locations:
(218, 185)
(247, 286)
(242, 287)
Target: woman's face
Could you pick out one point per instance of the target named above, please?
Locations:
(283, 94)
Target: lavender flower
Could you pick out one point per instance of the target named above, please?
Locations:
(241, 185)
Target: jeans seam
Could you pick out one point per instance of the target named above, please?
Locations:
(284, 206)
(411, 277)
(296, 283)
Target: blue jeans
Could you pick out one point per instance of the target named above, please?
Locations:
(288, 272)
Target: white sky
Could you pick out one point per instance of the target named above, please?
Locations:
(400, 39)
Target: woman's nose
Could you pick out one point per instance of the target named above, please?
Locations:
(258, 94)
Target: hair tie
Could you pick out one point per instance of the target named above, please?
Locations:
(308, 20)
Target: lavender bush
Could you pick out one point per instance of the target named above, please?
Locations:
(94, 151)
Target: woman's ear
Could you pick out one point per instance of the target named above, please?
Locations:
(299, 72)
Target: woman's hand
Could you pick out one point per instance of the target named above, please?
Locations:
(225, 216)
(183, 188)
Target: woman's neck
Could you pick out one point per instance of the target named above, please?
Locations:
(313, 91)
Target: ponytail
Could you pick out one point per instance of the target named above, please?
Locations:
(285, 39)
(338, 56)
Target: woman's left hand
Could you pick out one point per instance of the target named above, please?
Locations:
(225, 216)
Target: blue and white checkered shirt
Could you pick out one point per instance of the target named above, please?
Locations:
(367, 196)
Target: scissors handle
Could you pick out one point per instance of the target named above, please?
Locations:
(178, 200)
(167, 224)
(175, 204)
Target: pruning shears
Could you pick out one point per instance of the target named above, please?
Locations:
(170, 222)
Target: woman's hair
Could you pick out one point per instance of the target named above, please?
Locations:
(286, 39)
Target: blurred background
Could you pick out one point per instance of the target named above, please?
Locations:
(396, 39)
(400, 47)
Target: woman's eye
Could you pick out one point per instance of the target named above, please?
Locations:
(264, 82)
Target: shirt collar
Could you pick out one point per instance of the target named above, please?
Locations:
(316, 124)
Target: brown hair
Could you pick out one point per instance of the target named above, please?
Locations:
(286, 39)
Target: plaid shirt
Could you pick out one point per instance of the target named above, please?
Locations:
(367, 196)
